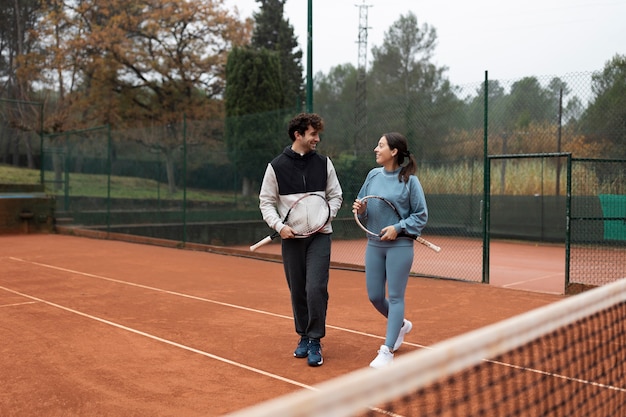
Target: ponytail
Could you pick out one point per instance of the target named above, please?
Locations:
(407, 170)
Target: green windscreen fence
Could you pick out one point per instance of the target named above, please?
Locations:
(614, 211)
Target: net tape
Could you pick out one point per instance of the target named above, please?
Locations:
(564, 359)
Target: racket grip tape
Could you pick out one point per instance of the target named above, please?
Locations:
(428, 244)
(260, 243)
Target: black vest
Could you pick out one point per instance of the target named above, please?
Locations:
(299, 174)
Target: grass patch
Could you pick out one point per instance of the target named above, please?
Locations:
(508, 177)
(94, 185)
(13, 175)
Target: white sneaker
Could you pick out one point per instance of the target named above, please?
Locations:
(384, 358)
(406, 327)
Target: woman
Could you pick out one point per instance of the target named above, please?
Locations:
(388, 257)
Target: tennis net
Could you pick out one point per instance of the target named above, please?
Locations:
(564, 359)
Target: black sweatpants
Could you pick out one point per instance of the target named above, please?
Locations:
(307, 262)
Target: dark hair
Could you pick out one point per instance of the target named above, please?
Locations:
(301, 123)
(397, 141)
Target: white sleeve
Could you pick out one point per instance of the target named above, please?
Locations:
(334, 193)
(268, 199)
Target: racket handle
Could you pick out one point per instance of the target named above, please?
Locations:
(260, 243)
(428, 244)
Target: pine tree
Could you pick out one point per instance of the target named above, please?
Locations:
(252, 99)
(274, 33)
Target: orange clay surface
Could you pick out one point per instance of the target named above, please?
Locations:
(92, 327)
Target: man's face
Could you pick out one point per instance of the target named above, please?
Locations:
(307, 142)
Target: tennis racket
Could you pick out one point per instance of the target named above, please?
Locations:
(381, 213)
(306, 216)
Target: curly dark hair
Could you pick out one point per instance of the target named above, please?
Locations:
(301, 123)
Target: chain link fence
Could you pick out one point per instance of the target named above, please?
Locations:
(197, 181)
(598, 221)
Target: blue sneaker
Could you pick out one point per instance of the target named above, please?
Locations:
(315, 353)
(302, 351)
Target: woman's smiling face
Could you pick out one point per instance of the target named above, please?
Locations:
(385, 156)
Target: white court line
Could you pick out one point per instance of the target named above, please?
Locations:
(160, 339)
(193, 297)
(237, 364)
(18, 304)
(544, 277)
(146, 287)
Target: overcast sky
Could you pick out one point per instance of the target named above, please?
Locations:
(509, 39)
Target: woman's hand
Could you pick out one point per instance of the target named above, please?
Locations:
(388, 233)
(358, 207)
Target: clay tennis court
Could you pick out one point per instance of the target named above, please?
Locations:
(110, 328)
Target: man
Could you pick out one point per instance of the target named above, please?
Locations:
(299, 170)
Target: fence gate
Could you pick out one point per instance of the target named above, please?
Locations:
(528, 200)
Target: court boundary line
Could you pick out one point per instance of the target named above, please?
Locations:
(512, 285)
(196, 298)
(18, 304)
(225, 360)
(193, 297)
(160, 339)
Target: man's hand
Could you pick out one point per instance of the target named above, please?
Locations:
(287, 233)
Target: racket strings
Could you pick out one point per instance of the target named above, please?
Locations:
(378, 215)
(309, 215)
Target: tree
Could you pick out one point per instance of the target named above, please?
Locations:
(572, 108)
(253, 95)
(402, 63)
(126, 64)
(413, 88)
(18, 18)
(605, 118)
(274, 33)
(476, 104)
(529, 102)
(334, 95)
(558, 88)
(333, 87)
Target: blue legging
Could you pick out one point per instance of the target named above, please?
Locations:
(388, 264)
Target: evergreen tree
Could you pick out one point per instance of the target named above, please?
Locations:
(605, 118)
(274, 33)
(253, 120)
(335, 95)
(413, 90)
